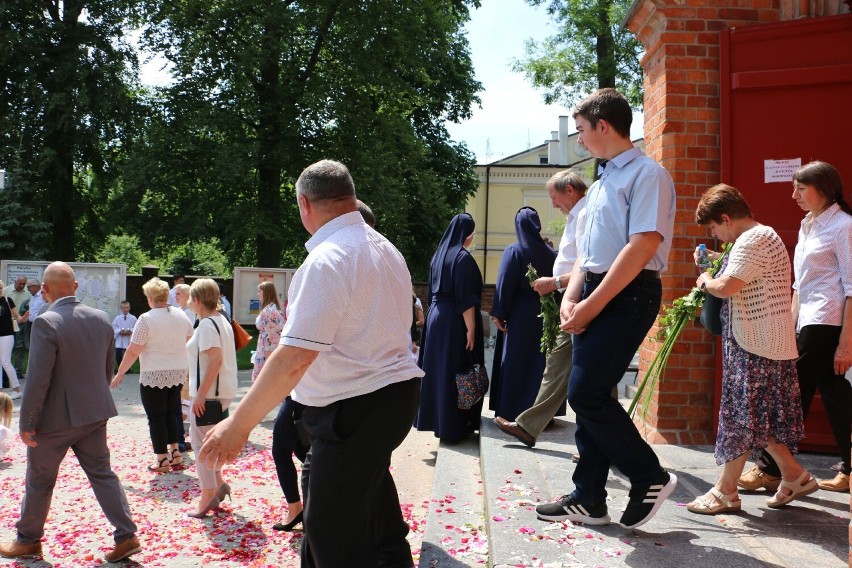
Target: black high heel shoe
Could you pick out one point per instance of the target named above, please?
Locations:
(223, 490)
(214, 502)
(289, 526)
(176, 460)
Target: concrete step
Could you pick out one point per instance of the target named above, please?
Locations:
(455, 533)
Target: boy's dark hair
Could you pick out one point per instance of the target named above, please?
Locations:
(609, 105)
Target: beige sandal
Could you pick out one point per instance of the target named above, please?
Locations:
(789, 490)
(715, 502)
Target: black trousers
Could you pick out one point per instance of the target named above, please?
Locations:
(159, 405)
(285, 443)
(352, 513)
(815, 365)
(119, 355)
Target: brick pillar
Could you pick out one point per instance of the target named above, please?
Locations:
(681, 64)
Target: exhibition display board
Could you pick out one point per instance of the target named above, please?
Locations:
(100, 286)
(245, 304)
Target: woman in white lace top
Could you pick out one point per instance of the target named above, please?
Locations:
(159, 341)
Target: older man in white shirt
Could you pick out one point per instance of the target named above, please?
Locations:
(568, 194)
(344, 354)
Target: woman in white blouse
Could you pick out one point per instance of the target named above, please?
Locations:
(822, 310)
(212, 376)
(159, 340)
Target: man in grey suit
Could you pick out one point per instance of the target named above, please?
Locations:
(66, 404)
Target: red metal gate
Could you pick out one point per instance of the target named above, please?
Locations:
(786, 93)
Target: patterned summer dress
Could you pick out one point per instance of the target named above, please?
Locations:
(760, 398)
(269, 324)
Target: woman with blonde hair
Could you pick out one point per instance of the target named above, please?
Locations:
(6, 435)
(8, 317)
(158, 341)
(212, 383)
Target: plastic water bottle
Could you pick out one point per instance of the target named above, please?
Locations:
(703, 257)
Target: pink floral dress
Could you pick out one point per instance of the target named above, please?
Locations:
(269, 323)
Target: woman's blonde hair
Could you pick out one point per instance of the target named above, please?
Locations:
(270, 296)
(156, 289)
(182, 287)
(5, 409)
(206, 291)
(2, 285)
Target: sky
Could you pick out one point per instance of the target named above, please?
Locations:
(513, 116)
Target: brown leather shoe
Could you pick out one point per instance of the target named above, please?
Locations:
(515, 430)
(755, 478)
(123, 549)
(17, 550)
(840, 483)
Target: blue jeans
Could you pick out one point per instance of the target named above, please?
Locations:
(605, 433)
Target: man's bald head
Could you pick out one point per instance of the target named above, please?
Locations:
(20, 282)
(58, 281)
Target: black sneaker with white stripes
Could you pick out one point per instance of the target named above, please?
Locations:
(570, 509)
(645, 501)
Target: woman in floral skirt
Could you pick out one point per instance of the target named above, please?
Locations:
(760, 405)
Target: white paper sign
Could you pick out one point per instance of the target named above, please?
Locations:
(780, 170)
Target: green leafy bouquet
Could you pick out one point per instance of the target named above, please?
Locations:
(549, 315)
(675, 318)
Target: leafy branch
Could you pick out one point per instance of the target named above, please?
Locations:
(549, 315)
(675, 318)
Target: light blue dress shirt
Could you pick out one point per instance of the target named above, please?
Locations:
(634, 195)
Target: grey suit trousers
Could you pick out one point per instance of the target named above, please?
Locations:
(90, 446)
(553, 389)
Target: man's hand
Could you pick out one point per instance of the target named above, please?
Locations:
(575, 317)
(842, 359)
(223, 443)
(545, 285)
(29, 439)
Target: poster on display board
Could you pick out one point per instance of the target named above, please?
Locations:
(100, 286)
(245, 303)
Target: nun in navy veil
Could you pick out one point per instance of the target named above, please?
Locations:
(518, 360)
(452, 336)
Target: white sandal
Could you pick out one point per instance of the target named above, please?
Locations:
(804, 485)
(715, 502)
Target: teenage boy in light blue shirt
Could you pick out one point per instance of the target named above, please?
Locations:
(612, 300)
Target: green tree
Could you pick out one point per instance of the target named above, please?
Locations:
(123, 248)
(199, 257)
(262, 89)
(66, 107)
(22, 235)
(591, 50)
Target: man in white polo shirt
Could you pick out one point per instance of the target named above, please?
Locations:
(344, 354)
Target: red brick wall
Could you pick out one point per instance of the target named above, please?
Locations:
(681, 64)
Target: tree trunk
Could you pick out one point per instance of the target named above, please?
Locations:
(57, 160)
(270, 152)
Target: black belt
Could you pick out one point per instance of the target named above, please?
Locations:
(644, 275)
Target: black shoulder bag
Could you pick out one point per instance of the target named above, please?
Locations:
(213, 411)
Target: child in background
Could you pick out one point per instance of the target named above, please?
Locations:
(6, 435)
